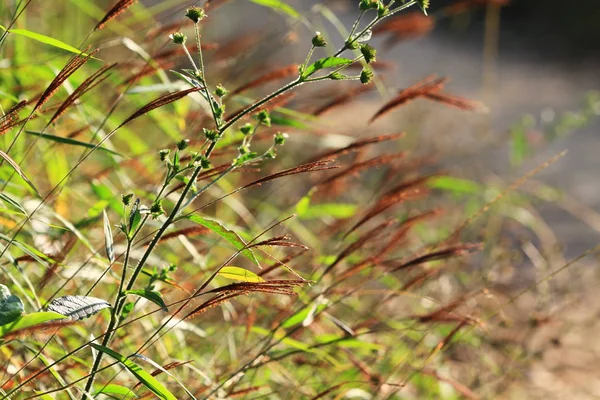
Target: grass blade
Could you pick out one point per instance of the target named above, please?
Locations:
(69, 141)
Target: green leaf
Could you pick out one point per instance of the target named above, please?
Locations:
(301, 315)
(280, 6)
(456, 185)
(12, 202)
(328, 62)
(239, 274)
(144, 377)
(135, 217)
(151, 295)
(283, 121)
(334, 210)
(44, 39)
(226, 234)
(11, 307)
(116, 392)
(69, 141)
(29, 320)
(17, 169)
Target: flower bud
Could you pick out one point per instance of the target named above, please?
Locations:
(195, 14)
(163, 154)
(247, 128)
(280, 138)
(319, 40)
(264, 118)
(368, 4)
(366, 76)
(221, 91)
(368, 52)
(126, 199)
(178, 38)
(183, 144)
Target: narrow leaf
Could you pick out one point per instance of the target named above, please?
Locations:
(135, 217)
(77, 307)
(12, 202)
(11, 307)
(147, 380)
(116, 392)
(108, 239)
(69, 141)
(328, 62)
(151, 295)
(280, 6)
(29, 320)
(456, 185)
(226, 234)
(333, 210)
(17, 169)
(45, 39)
(239, 274)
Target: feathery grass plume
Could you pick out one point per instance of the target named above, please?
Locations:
(87, 85)
(455, 101)
(119, 7)
(73, 65)
(159, 102)
(353, 169)
(11, 118)
(357, 145)
(404, 26)
(445, 313)
(239, 45)
(300, 169)
(359, 243)
(400, 234)
(342, 99)
(278, 101)
(166, 367)
(147, 70)
(279, 241)
(268, 77)
(187, 232)
(405, 191)
(441, 254)
(419, 89)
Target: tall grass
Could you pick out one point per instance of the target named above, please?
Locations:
(196, 217)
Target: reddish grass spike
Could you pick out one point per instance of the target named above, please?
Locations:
(343, 99)
(279, 263)
(73, 65)
(187, 232)
(442, 254)
(359, 144)
(163, 30)
(308, 167)
(87, 85)
(78, 132)
(404, 27)
(147, 70)
(420, 89)
(358, 167)
(38, 328)
(406, 191)
(455, 101)
(159, 102)
(11, 117)
(117, 9)
(268, 77)
(282, 241)
(278, 101)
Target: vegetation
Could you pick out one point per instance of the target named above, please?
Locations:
(180, 223)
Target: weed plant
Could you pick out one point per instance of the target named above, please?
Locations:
(172, 227)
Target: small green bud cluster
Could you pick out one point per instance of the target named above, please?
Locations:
(195, 14)
(178, 38)
(319, 40)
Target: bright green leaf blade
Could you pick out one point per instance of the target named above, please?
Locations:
(18, 170)
(328, 62)
(279, 6)
(144, 377)
(456, 185)
(69, 141)
(151, 295)
(44, 39)
(333, 210)
(12, 202)
(116, 392)
(11, 307)
(226, 234)
(29, 320)
(239, 274)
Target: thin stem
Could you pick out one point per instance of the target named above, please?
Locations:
(362, 13)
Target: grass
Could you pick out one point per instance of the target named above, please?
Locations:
(172, 227)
